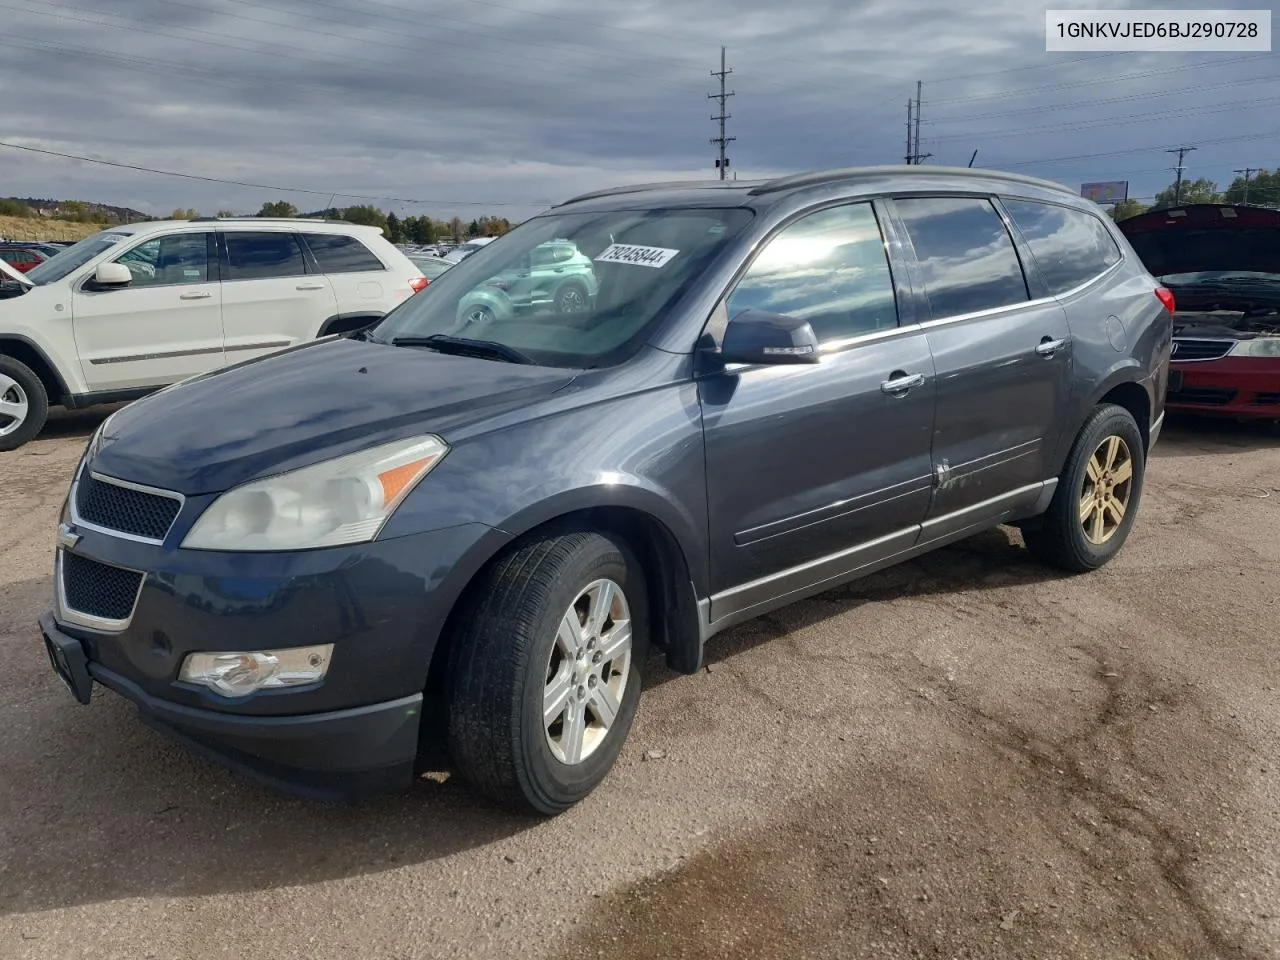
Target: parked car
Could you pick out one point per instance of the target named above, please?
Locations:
(21, 257)
(137, 307)
(462, 251)
(553, 276)
(322, 566)
(431, 266)
(1222, 264)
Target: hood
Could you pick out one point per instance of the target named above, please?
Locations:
(322, 399)
(1206, 238)
(9, 273)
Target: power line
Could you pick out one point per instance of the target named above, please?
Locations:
(1156, 94)
(722, 163)
(1130, 151)
(1144, 117)
(1247, 172)
(265, 186)
(1030, 66)
(1119, 78)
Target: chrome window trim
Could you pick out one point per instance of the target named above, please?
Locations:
(64, 613)
(140, 488)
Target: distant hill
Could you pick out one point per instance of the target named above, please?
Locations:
(81, 210)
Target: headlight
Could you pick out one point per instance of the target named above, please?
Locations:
(345, 500)
(240, 674)
(1261, 347)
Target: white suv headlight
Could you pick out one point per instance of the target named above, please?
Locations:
(345, 500)
(1259, 347)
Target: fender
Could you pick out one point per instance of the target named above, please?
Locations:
(62, 393)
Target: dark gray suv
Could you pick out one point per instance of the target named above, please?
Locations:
(453, 538)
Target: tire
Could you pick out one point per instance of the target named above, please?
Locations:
(571, 298)
(510, 638)
(24, 398)
(1061, 539)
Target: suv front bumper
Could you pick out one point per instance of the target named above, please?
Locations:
(340, 754)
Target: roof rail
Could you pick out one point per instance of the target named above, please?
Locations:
(642, 187)
(253, 219)
(818, 177)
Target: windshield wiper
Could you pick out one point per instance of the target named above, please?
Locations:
(465, 347)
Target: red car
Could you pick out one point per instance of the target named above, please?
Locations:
(1222, 264)
(22, 258)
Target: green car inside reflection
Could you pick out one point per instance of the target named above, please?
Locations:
(554, 277)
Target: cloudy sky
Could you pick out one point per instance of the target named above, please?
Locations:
(506, 106)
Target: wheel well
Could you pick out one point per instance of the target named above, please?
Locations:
(346, 325)
(1133, 397)
(25, 353)
(673, 606)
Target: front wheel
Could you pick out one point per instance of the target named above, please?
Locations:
(1096, 501)
(545, 672)
(24, 404)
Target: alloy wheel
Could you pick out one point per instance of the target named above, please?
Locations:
(1106, 490)
(14, 405)
(587, 672)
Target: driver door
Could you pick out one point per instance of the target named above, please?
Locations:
(164, 326)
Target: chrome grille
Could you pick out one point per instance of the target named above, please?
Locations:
(98, 590)
(109, 504)
(1189, 348)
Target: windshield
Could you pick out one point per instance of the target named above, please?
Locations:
(74, 257)
(570, 290)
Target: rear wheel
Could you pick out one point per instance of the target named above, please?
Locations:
(24, 403)
(1097, 497)
(571, 298)
(545, 675)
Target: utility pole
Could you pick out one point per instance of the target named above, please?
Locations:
(914, 156)
(1177, 183)
(911, 153)
(1248, 172)
(722, 164)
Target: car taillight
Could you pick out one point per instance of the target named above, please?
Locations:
(1166, 297)
(418, 283)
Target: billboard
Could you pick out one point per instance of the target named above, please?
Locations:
(1110, 191)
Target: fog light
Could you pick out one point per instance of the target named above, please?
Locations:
(239, 674)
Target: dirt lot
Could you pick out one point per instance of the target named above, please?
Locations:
(965, 757)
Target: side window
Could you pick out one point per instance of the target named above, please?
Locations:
(829, 268)
(260, 256)
(167, 261)
(1070, 247)
(338, 254)
(966, 255)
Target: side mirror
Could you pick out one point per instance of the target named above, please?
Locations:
(110, 276)
(768, 338)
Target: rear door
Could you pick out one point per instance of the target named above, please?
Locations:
(362, 284)
(271, 297)
(1003, 361)
(164, 326)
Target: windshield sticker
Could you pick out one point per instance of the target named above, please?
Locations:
(640, 256)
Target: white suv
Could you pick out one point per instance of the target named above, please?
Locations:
(138, 307)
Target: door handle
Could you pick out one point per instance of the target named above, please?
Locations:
(899, 383)
(196, 295)
(311, 286)
(1048, 347)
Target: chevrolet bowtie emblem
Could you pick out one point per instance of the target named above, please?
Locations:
(67, 536)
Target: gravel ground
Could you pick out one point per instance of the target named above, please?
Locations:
(968, 756)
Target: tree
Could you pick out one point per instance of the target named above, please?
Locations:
(424, 230)
(395, 228)
(1193, 191)
(1126, 209)
(367, 215)
(226, 213)
(473, 228)
(278, 208)
(1263, 189)
(181, 214)
(456, 228)
(16, 208)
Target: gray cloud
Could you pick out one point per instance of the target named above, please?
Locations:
(471, 103)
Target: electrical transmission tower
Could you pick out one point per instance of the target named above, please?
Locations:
(1247, 172)
(914, 156)
(1177, 183)
(722, 162)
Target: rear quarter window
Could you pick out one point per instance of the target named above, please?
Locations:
(1070, 247)
(336, 253)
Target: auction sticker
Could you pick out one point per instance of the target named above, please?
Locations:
(640, 256)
